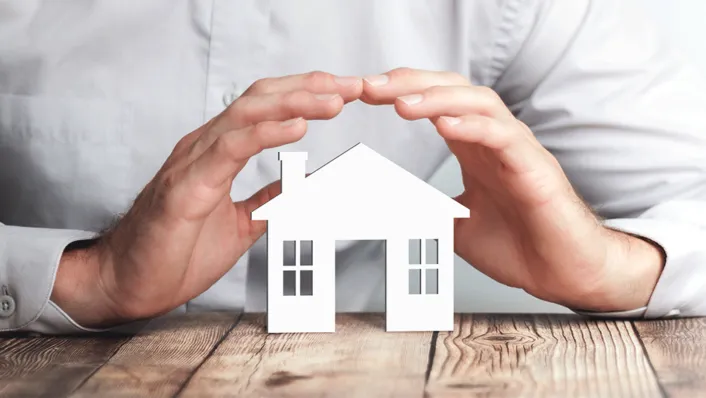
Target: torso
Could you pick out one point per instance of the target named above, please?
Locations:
(93, 98)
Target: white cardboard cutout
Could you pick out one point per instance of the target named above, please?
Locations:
(360, 195)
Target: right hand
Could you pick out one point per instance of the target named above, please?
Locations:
(183, 232)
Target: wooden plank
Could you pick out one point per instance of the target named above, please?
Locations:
(159, 360)
(561, 355)
(51, 366)
(677, 350)
(359, 360)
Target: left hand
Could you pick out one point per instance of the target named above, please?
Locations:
(528, 227)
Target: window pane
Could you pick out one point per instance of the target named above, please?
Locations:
(306, 248)
(290, 283)
(289, 252)
(306, 279)
(432, 252)
(415, 251)
(415, 281)
(432, 282)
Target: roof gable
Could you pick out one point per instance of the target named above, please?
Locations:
(362, 169)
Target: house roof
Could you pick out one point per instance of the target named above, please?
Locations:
(358, 169)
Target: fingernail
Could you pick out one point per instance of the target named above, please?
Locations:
(377, 80)
(325, 97)
(290, 122)
(452, 121)
(411, 99)
(346, 80)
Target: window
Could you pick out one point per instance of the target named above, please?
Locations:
(423, 266)
(298, 262)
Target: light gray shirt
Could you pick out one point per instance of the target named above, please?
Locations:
(94, 95)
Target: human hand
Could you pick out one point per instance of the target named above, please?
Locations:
(528, 227)
(183, 232)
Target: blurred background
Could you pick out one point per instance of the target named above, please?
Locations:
(683, 22)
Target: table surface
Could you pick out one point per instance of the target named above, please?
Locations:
(226, 354)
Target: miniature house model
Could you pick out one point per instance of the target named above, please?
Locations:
(360, 195)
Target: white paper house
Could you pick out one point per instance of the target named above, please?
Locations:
(359, 195)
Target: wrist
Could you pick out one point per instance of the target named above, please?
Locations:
(77, 287)
(632, 269)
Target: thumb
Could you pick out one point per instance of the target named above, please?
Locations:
(253, 229)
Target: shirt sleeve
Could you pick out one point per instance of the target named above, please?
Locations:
(623, 112)
(29, 258)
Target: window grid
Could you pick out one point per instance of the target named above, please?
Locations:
(297, 267)
(423, 267)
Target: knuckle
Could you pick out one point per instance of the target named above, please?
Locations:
(182, 144)
(401, 72)
(490, 126)
(456, 78)
(490, 94)
(164, 185)
(483, 124)
(257, 139)
(225, 145)
(168, 181)
(331, 109)
(291, 97)
(317, 79)
(435, 90)
(260, 86)
(234, 111)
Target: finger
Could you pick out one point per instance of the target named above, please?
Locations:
(269, 107)
(385, 88)
(278, 107)
(451, 101)
(506, 139)
(229, 153)
(284, 106)
(348, 87)
(253, 229)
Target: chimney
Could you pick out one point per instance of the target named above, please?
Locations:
(293, 169)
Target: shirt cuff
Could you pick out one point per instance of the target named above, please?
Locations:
(29, 258)
(681, 288)
(636, 313)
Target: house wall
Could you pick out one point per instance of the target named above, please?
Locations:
(407, 312)
(316, 313)
(290, 314)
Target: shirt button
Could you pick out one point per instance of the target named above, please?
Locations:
(7, 306)
(232, 94)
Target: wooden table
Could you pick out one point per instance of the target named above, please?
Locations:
(225, 354)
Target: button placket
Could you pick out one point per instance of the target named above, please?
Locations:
(238, 51)
(237, 58)
(7, 303)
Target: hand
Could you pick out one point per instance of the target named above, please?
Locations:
(528, 228)
(183, 232)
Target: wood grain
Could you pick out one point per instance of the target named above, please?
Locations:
(158, 361)
(677, 350)
(51, 366)
(562, 356)
(359, 360)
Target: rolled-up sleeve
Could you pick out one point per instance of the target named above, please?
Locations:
(624, 114)
(29, 258)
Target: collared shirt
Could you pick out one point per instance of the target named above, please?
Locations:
(94, 95)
